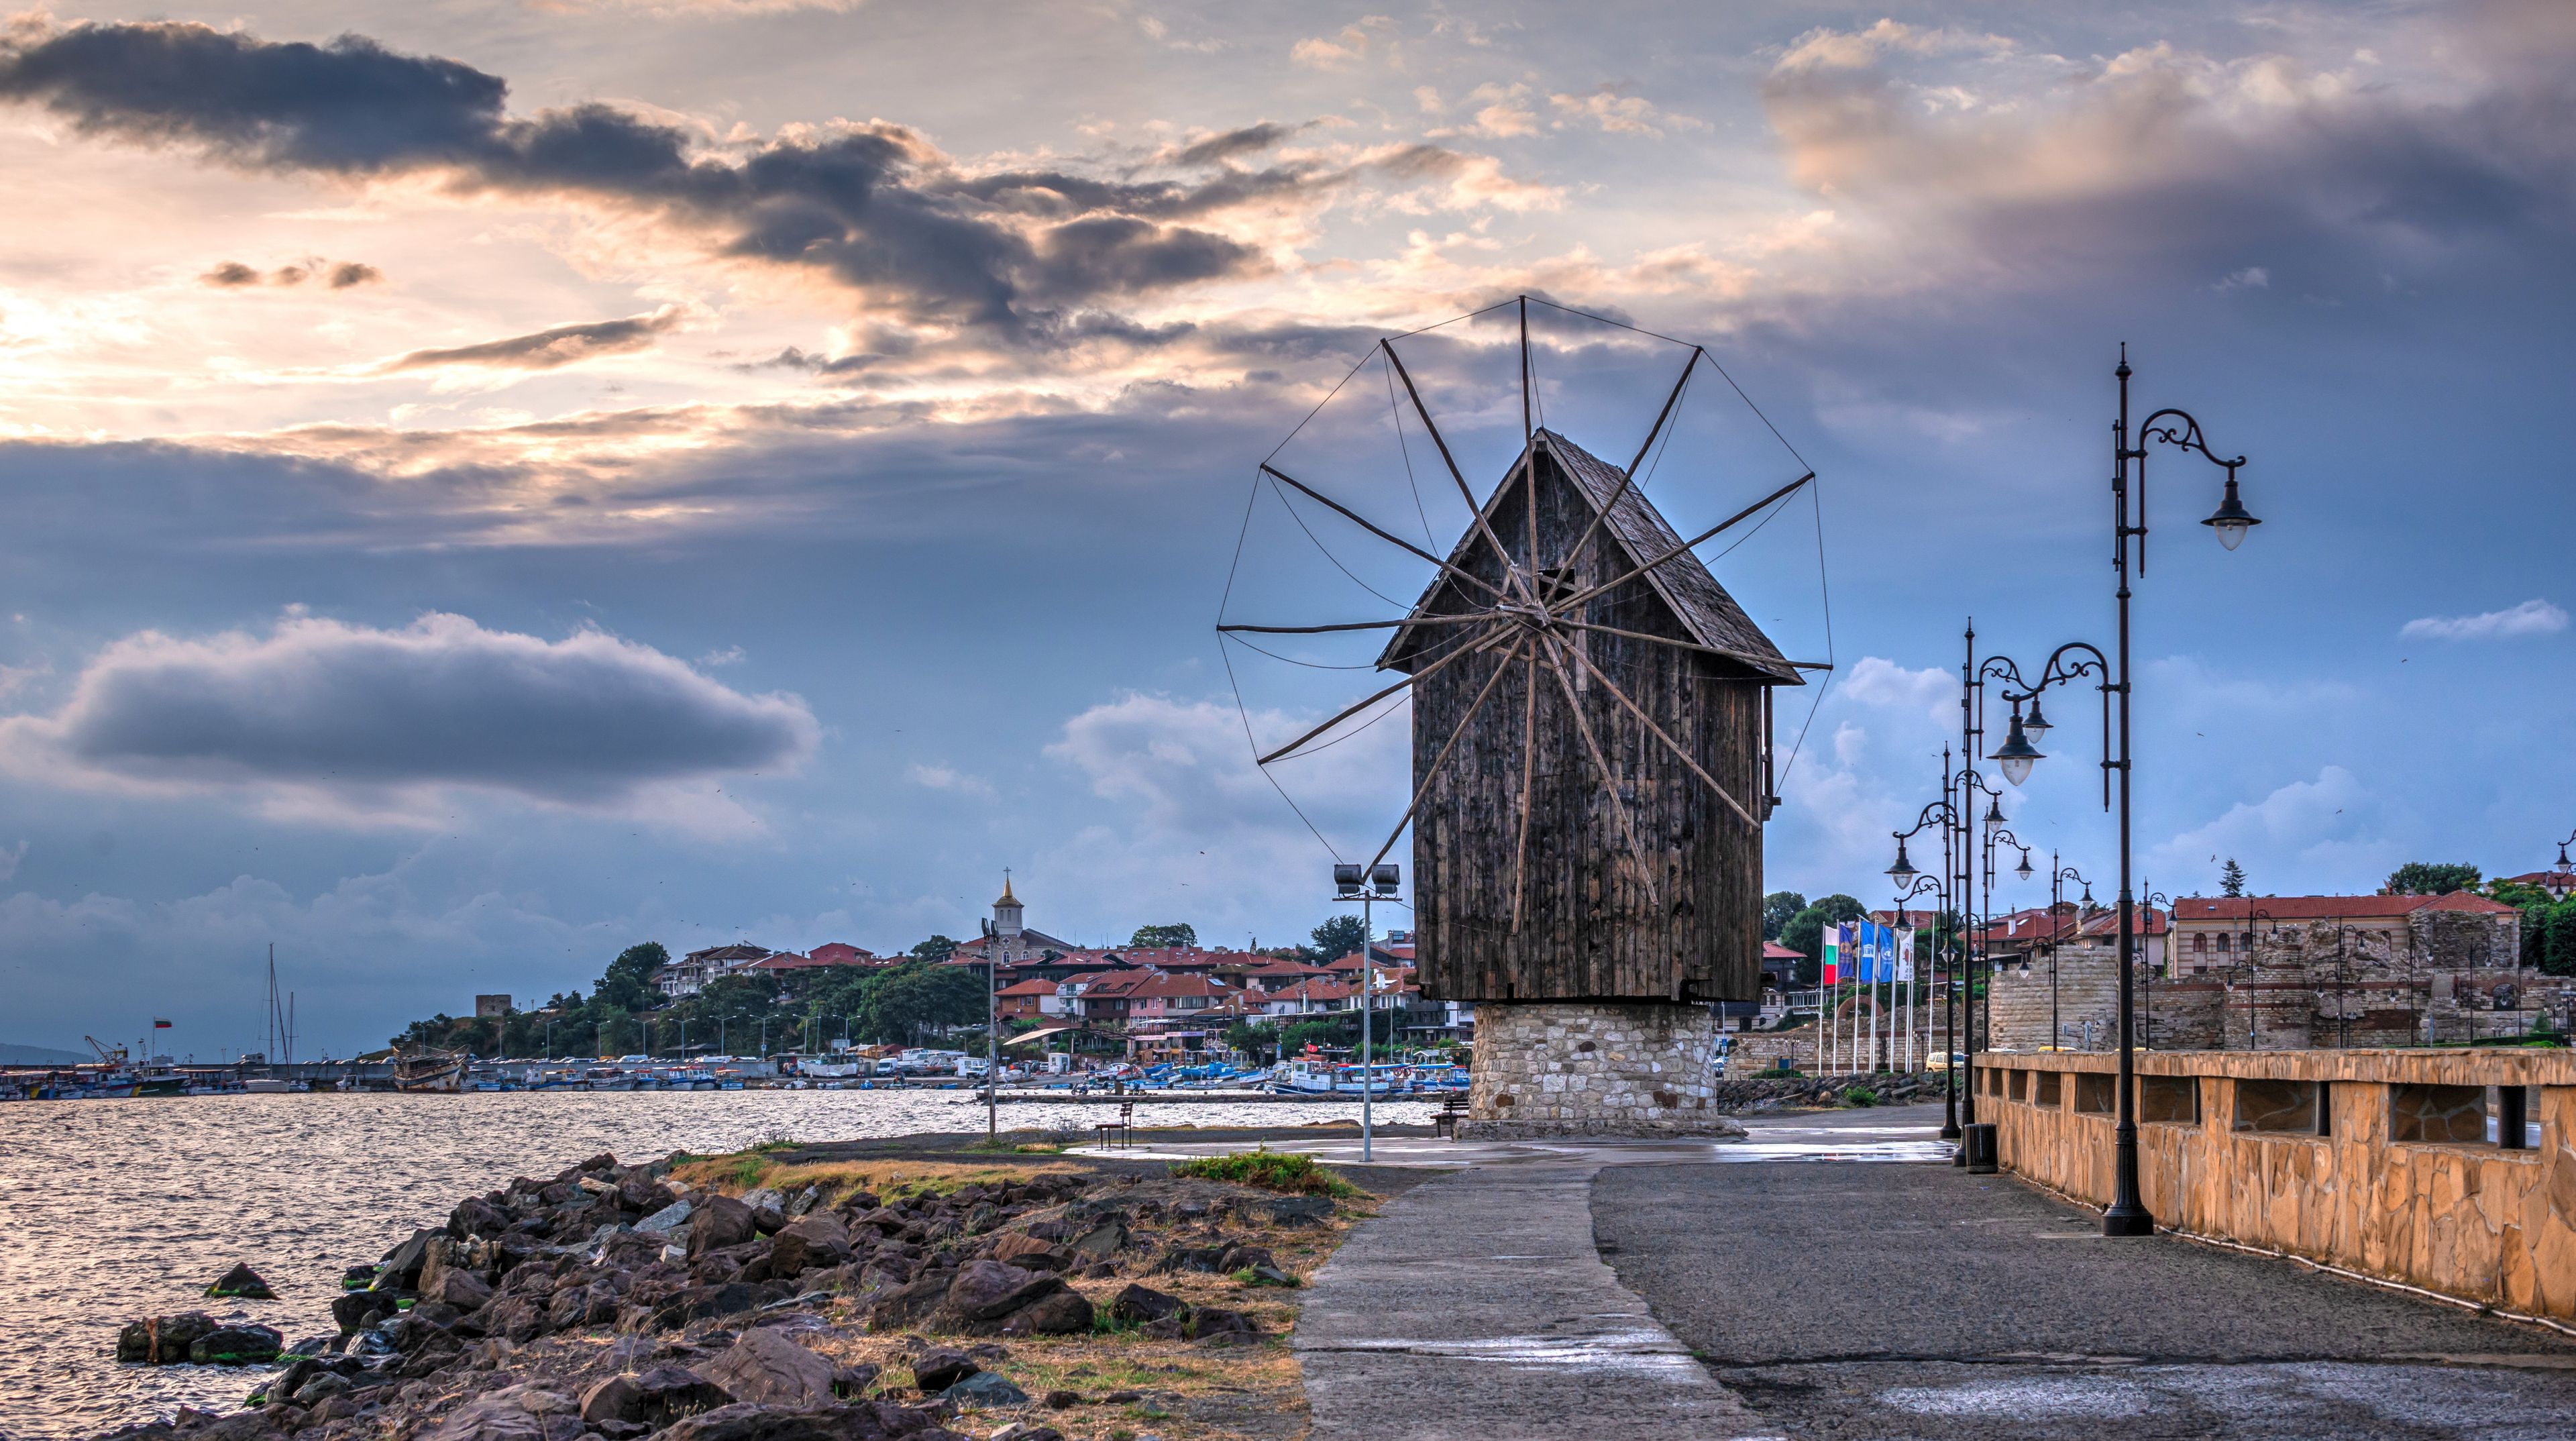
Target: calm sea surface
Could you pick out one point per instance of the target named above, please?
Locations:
(114, 1209)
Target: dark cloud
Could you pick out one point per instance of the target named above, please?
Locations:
(873, 207)
(545, 349)
(351, 272)
(352, 711)
(229, 274)
(233, 274)
(1230, 144)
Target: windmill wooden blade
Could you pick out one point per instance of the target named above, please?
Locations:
(1670, 744)
(1629, 476)
(1684, 548)
(1717, 650)
(1529, 762)
(1355, 518)
(1431, 773)
(1353, 625)
(1483, 527)
(1466, 647)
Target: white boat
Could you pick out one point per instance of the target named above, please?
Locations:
(267, 1086)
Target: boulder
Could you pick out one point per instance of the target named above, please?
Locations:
(1212, 1322)
(667, 1219)
(162, 1340)
(241, 1283)
(865, 1421)
(811, 1242)
(1140, 1304)
(989, 1290)
(401, 1266)
(985, 1388)
(475, 1216)
(1030, 1430)
(356, 1310)
(853, 1381)
(489, 1419)
(1190, 1258)
(1100, 1240)
(1291, 1210)
(1060, 1313)
(766, 1368)
(1245, 1258)
(696, 1303)
(456, 1287)
(721, 1222)
(1028, 1251)
(237, 1345)
(664, 1394)
(614, 1399)
(940, 1368)
(909, 1302)
(320, 1389)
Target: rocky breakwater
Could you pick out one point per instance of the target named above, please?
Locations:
(616, 1302)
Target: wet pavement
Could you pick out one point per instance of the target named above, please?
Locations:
(1771, 1287)
(1919, 1301)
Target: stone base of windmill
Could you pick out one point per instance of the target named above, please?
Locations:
(1548, 1069)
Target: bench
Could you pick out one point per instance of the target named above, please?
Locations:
(1452, 1110)
(1120, 1132)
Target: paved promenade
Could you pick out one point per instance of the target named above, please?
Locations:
(1825, 1279)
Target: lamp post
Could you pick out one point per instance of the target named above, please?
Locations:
(1997, 838)
(2058, 876)
(1911, 883)
(1366, 885)
(2127, 1214)
(2253, 1021)
(2150, 897)
(992, 1033)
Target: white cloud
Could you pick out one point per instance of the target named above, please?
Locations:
(2532, 617)
(1618, 112)
(2327, 827)
(2252, 277)
(324, 719)
(1879, 682)
(1343, 49)
(949, 778)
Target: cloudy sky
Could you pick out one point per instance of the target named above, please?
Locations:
(489, 482)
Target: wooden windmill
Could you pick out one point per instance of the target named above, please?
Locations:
(1591, 738)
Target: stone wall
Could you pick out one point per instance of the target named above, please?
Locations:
(1592, 1068)
(2464, 1217)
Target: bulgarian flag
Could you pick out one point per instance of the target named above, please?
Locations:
(1833, 955)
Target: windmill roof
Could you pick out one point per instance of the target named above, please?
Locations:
(1707, 613)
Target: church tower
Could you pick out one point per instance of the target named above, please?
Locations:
(1006, 923)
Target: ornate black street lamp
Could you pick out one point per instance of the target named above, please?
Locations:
(2127, 1214)
(1911, 883)
(2150, 897)
(2058, 876)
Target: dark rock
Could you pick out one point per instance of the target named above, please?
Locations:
(1244, 1258)
(989, 1290)
(767, 1368)
(241, 1283)
(475, 1216)
(318, 1390)
(162, 1340)
(1211, 1321)
(518, 1319)
(1028, 1251)
(1061, 1313)
(1190, 1258)
(730, 1299)
(615, 1399)
(721, 1222)
(1122, 1398)
(401, 1267)
(985, 1388)
(909, 1302)
(356, 1310)
(238, 1345)
(809, 1243)
(1027, 1431)
(864, 1421)
(1063, 1400)
(854, 1380)
(665, 1394)
(1106, 1238)
(459, 1288)
(940, 1368)
(1139, 1304)
(768, 1220)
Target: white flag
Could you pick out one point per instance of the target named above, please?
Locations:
(1905, 953)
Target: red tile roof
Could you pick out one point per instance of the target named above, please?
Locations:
(2243, 909)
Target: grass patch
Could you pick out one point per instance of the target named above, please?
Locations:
(746, 1170)
(1249, 1277)
(1860, 1096)
(1271, 1171)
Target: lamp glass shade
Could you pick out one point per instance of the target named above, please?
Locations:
(2037, 724)
(2023, 870)
(1995, 814)
(1903, 872)
(2232, 519)
(2017, 754)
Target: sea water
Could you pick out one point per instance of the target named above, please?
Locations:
(116, 1209)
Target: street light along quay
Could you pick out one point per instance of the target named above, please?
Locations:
(1911, 883)
(1381, 883)
(2127, 1215)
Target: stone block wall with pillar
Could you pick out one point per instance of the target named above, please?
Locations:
(1593, 1068)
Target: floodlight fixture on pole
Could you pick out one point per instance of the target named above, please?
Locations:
(1383, 880)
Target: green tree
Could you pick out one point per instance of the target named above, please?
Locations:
(2426, 878)
(1253, 1041)
(2231, 881)
(2559, 954)
(1777, 908)
(937, 948)
(628, 983)
(901, 1003)
(1805, 931)
(1336, 938)
(1182, 934)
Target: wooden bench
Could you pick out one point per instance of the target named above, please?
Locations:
(1120, 1132)
(1452, 1110)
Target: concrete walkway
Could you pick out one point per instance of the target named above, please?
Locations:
(1474, 1308)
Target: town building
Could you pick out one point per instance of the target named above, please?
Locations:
(2460, 930)
(693, 972)
(1013, 939)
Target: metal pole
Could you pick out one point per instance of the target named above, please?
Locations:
(1368, 1004)
(2127, 1215)
(992, 1034)
(1949, 972)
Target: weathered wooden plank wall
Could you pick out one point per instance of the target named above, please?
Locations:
(1590, 925)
